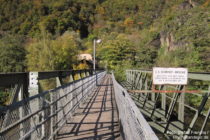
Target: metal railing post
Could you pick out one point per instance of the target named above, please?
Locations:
(163, 101)
(20, 97)
(181, 109)
(52, 118)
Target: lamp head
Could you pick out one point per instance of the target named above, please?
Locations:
(98, 41)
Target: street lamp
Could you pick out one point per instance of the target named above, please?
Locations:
(94, 52)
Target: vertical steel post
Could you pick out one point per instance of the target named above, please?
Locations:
(94, 55)
(58, 104)
(140, 85)
(34, 106)
(126, 74)
(20, 97)
(181, 109)
(152, 97)
(145, 83)
(52, 118)
(163, 101)
(129, 76)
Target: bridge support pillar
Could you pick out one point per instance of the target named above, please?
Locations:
(35, 105)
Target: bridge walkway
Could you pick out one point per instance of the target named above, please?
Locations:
(96, 117)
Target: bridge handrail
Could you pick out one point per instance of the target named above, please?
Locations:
(42, 115)
(140, 83)
(13, 78)
(205, 76)
(135, 127)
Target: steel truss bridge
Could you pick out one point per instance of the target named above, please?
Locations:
(86, 104)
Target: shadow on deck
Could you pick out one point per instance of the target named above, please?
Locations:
(96, 118)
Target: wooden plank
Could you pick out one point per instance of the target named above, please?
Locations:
(96, 118)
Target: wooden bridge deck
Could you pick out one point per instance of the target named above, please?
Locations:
(96, 118)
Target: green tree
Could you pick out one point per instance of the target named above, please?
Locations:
(12, 54)
(48, 54)
(117, 52)
(65, 50)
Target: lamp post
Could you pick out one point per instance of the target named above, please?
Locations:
(94, 52)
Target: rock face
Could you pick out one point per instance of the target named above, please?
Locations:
(192, 3)
(167, 39)
(156, 42)
(185, 5)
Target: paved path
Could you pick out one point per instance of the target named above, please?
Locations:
(96, 119)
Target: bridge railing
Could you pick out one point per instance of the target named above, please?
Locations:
(134, 125)
(140, 85)
(41, 115)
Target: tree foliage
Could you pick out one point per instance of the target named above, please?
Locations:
(53, 54)
(25, 17)
(117, 52)
(12, 54)
(143, 25)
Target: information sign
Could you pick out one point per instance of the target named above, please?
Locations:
(171, 76)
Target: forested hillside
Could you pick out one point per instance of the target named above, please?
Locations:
(48, 34)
